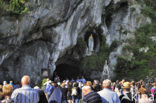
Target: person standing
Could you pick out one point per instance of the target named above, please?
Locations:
(64, 93)
(153, 90)
(107, 95)
(90, 96)
(49, 88)
(96, 86)
(69, 96)
(7, 91)
(42, 96)
(83, 80)
(56, 95)
(25, 94)
(11, 83)
(126, 97)
(76, 93)
(143, 98)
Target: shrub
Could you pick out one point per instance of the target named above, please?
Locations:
(13, 6)
(141, 64)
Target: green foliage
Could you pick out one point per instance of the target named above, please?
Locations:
(132, 9)
(17, 6)
(141, 64)
(3, 5)
(123, 31)
(43, 81)
(133, 69)
(13, 6)
(80, 46)
(149, 8)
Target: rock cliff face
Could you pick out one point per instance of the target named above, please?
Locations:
(52, 27)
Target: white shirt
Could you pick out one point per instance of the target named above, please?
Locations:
(109, 96)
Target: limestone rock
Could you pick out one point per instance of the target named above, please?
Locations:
(52, 27)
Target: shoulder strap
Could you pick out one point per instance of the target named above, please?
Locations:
(52, 91)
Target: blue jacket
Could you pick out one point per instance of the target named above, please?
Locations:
(56, 96)
(49, 89)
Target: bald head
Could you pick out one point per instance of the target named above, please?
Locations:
(25, 80)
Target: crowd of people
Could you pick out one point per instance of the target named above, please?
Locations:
(77, 91)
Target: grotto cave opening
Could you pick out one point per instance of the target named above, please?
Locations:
(67, 71)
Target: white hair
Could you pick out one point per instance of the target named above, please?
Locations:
(107, 83)
(4, 82)
(86, 87)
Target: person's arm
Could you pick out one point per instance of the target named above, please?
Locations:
(14, 95)
(84, 99)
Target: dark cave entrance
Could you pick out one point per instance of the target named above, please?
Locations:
(65, 71)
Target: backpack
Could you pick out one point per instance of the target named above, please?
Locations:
(74, 91)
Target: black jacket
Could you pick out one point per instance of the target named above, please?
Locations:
(42, 97)
(127, 98)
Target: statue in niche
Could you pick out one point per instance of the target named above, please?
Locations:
(106, 71)
(90, 44)
(45, 72)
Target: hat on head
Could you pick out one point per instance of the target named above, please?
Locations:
(126, 85)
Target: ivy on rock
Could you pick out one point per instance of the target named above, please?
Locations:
(13, 6)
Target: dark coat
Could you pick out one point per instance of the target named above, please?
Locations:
(127, 98)
(92, 97)
(42, 97)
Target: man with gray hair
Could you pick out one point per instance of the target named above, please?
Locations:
(25, 94)
(90, 96)
(107, 95)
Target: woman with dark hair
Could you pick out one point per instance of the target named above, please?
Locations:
(76, 93)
